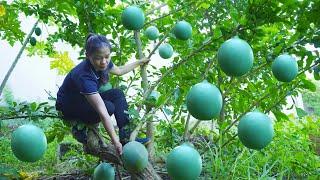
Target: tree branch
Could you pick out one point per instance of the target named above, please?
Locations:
(156, 8)
(186, 128)
(194, 127)
(6, 78)
(145, 116)
(26, 116)
(163, 16)
(264, 97)
(172, 68)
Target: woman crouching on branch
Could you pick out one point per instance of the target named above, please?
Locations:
(79, 98)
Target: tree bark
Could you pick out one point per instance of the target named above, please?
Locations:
(145, 86)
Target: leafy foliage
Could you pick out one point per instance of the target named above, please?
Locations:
(311, 100)
(10, 24)
(62, 63)
(270, 27)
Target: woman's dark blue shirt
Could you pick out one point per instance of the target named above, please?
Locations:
(81, 80)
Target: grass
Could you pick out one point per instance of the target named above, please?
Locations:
(289, 156)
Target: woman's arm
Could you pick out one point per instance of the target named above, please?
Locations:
(97, 103)
(121, 70)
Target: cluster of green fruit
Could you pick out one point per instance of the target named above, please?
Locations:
(29, 144)
(183, 162)
(33, 40)
(204, 100)
(133, 19)
(134, 158)
(235, 58)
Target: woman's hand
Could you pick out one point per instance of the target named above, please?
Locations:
(118, 147)
(144, 61)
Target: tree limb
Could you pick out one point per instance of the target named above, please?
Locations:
(17, 57)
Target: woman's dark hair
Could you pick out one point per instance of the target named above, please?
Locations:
(94, 42)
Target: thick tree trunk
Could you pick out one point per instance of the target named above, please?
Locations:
(96, 147)
(145, 86)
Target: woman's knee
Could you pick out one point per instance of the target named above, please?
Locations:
(118, 93)
(112, 94)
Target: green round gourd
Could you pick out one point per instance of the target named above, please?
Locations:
(135, 157)
(153, 97)
(37, 31)
(152, 33)
(235, 57)
(33, 41)
(104, 171)
(255, 130)
(165, 51)
(285, 68)
(184, 163)
(28, 143)
(182, 30)
(105, 87)
(133, 18)
(204, 101)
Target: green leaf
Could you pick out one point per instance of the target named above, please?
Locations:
(60, 137)
(217, 33)
(300, 112)
(176, 94)
(167, 111)
(309, 85)
(204, 5)
(280, 115)
(33, 106)
(316, 76)
(134, 113)
(50, 137)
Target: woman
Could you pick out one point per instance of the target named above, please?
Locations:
(78, 98)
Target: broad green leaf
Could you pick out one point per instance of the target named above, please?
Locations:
(309, 85)
(280, 115)
(300, 112)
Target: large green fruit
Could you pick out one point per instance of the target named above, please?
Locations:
(204, 101)
(153, 98)
(182, 30)
(104, 171)
(235, 57)
(33, 41)
(255, 130)
(184, 163)
(152, 33)
(28, 143)
(105, 87)
(165, 51)
(133, 18)
(134, 156)
(37, 31)
(285, 68)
